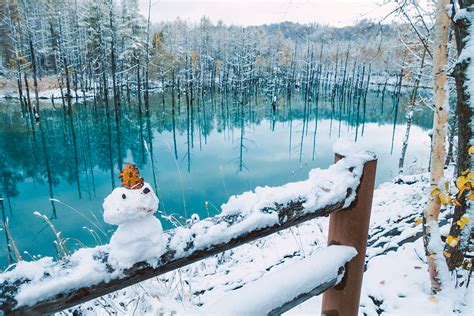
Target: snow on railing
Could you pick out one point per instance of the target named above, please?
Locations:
(46, 286)
(287, 287)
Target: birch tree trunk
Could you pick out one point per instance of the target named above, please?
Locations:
(431, 236)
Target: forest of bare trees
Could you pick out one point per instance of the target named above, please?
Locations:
(104, 46)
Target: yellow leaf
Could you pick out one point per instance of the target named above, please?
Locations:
(452, 241)
(456, 202)
(130, 176)
(446, 254)
(471, 150)
(443, 198)
(460, 224)
(461, 182)
(435, 192)
(470, 197)
(418, 221)
(446, 186)
(470, 175)
(465, 219)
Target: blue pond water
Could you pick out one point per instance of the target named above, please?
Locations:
(65, 165)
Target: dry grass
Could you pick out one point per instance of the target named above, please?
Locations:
(44, 84)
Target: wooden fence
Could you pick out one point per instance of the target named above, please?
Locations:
(348, 226)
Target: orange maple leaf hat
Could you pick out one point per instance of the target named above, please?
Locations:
(130, 176)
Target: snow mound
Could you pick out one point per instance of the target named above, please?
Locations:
(347, 147)
(48, 278)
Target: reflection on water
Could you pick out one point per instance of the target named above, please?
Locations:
(195, 157)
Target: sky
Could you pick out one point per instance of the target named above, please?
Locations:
(257, 12)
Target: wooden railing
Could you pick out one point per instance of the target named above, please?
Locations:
(348, 226)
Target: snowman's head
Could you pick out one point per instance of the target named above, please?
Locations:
(124, 205)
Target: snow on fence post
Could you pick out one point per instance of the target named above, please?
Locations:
(351, 228)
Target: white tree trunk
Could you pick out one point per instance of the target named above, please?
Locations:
(433, 247)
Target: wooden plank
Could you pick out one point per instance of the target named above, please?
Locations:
(303, 297)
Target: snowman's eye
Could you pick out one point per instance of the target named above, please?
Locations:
(124, 196)
(146, 190)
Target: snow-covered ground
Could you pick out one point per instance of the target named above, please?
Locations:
(47, 94)
(55, 93)
(396, 281)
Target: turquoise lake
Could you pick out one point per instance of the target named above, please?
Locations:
(195, 157)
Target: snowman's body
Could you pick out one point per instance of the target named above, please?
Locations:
(139, 236)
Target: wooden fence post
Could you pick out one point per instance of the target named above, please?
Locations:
(351, 228)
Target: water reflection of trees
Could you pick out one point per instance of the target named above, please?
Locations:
(72, 147)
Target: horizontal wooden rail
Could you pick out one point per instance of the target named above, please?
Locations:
(237, 227)
(285, 287)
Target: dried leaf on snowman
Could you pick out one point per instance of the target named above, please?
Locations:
(139, 236)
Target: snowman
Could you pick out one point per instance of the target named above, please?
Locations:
(139, 236)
